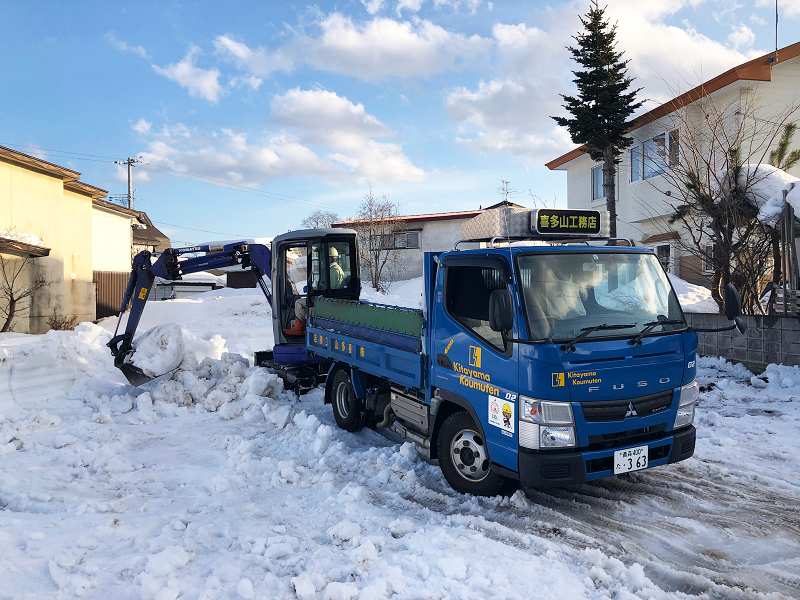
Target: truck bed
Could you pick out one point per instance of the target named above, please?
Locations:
(385, 341)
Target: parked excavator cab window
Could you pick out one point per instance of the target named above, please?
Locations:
(332, 267)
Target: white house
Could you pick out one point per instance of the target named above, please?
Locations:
(644, 193)
(434, 232)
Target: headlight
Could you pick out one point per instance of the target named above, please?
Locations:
(688, 398)
(546, 424)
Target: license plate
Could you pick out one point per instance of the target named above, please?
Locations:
(632, 459)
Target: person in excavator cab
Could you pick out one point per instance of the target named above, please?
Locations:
(336, 281)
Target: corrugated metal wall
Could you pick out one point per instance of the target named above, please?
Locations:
(110, 286)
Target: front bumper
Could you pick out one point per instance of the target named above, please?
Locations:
(538, 469)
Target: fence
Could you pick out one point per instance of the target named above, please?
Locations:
(110, 286)
(767, 340)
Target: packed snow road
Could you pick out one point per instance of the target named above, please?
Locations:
(217, 484)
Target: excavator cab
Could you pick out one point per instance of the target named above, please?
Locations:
(307, 264)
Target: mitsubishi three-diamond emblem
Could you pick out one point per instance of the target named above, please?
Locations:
(631, 411)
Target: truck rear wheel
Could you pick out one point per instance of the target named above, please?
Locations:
(464, 459)
(347, 409)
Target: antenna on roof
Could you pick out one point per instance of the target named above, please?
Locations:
(773, 59)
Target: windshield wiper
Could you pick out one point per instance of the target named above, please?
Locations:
(570, 345)
(648, 327)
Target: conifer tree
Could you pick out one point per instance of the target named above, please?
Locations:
(602, 109)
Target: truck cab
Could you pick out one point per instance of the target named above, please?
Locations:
(592, 374)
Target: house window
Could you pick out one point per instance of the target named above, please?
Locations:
(400, 240)
(654, 156)
(664, 254)
(636, 153)
(708, 255)
(597, 183)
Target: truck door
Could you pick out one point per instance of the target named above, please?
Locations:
(469, 359)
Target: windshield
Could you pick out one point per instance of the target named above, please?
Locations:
(565, 293)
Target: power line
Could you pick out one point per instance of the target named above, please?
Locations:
(181, 175)
(236, 235)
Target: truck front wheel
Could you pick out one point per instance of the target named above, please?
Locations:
(347, 409)
(464, 459)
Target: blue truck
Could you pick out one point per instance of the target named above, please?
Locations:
(544, 353)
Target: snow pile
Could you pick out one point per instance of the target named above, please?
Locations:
(693, 298)
(19, 236)
(217, 483)
(765, 187)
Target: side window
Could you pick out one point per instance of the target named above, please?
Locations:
(339, 267)
(319, 270)
(467, 290)
(296, 265)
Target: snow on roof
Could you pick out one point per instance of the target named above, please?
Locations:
(19, 236)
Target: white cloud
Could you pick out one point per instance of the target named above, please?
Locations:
(142, 126)
(384, 48)
(203, 83)
(260, 62)
(471, 5)
(372, 6)
(788, 8)
(741, 35)
(323, 135)
(250, 81)
(411, 5)
(124, 47)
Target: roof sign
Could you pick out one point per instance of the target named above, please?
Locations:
(552, 221)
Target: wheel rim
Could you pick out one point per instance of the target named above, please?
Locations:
(343, 399)
(469, 455)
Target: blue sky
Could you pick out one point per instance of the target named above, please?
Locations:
(298, 107)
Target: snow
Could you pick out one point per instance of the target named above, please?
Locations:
(693, 298)
(765, 186)
(216, 483)
(19, 236)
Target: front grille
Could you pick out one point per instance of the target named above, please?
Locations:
(623, 438)
(555, 471)
(615, 410)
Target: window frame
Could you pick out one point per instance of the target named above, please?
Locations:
(661, 161)
(508, 347)
(597, 174)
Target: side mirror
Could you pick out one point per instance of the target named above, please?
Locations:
(733, 305)
(501, 310)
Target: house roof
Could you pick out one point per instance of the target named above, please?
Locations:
(33, 250)
(117, 208)
(758, 69)
(448, 216)
(86, 189)
(150, 235)
(38, 164)
(69, 176)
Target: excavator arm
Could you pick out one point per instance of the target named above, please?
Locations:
(171, 267)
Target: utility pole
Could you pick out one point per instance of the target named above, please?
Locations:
(130, 162)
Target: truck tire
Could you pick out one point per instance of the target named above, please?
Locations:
(347, 409)
(464, 459)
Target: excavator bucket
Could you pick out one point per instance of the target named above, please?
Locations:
(135, 375)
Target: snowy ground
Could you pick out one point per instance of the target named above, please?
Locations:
(216, 484)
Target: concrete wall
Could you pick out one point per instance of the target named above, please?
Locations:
(36, 203)
(112, 238)
(767, 340)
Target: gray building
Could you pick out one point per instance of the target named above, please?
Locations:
(434, 232)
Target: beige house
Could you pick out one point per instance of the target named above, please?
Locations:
(644, 193)
(47, 202)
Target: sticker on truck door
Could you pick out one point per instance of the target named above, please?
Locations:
(501, 414)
